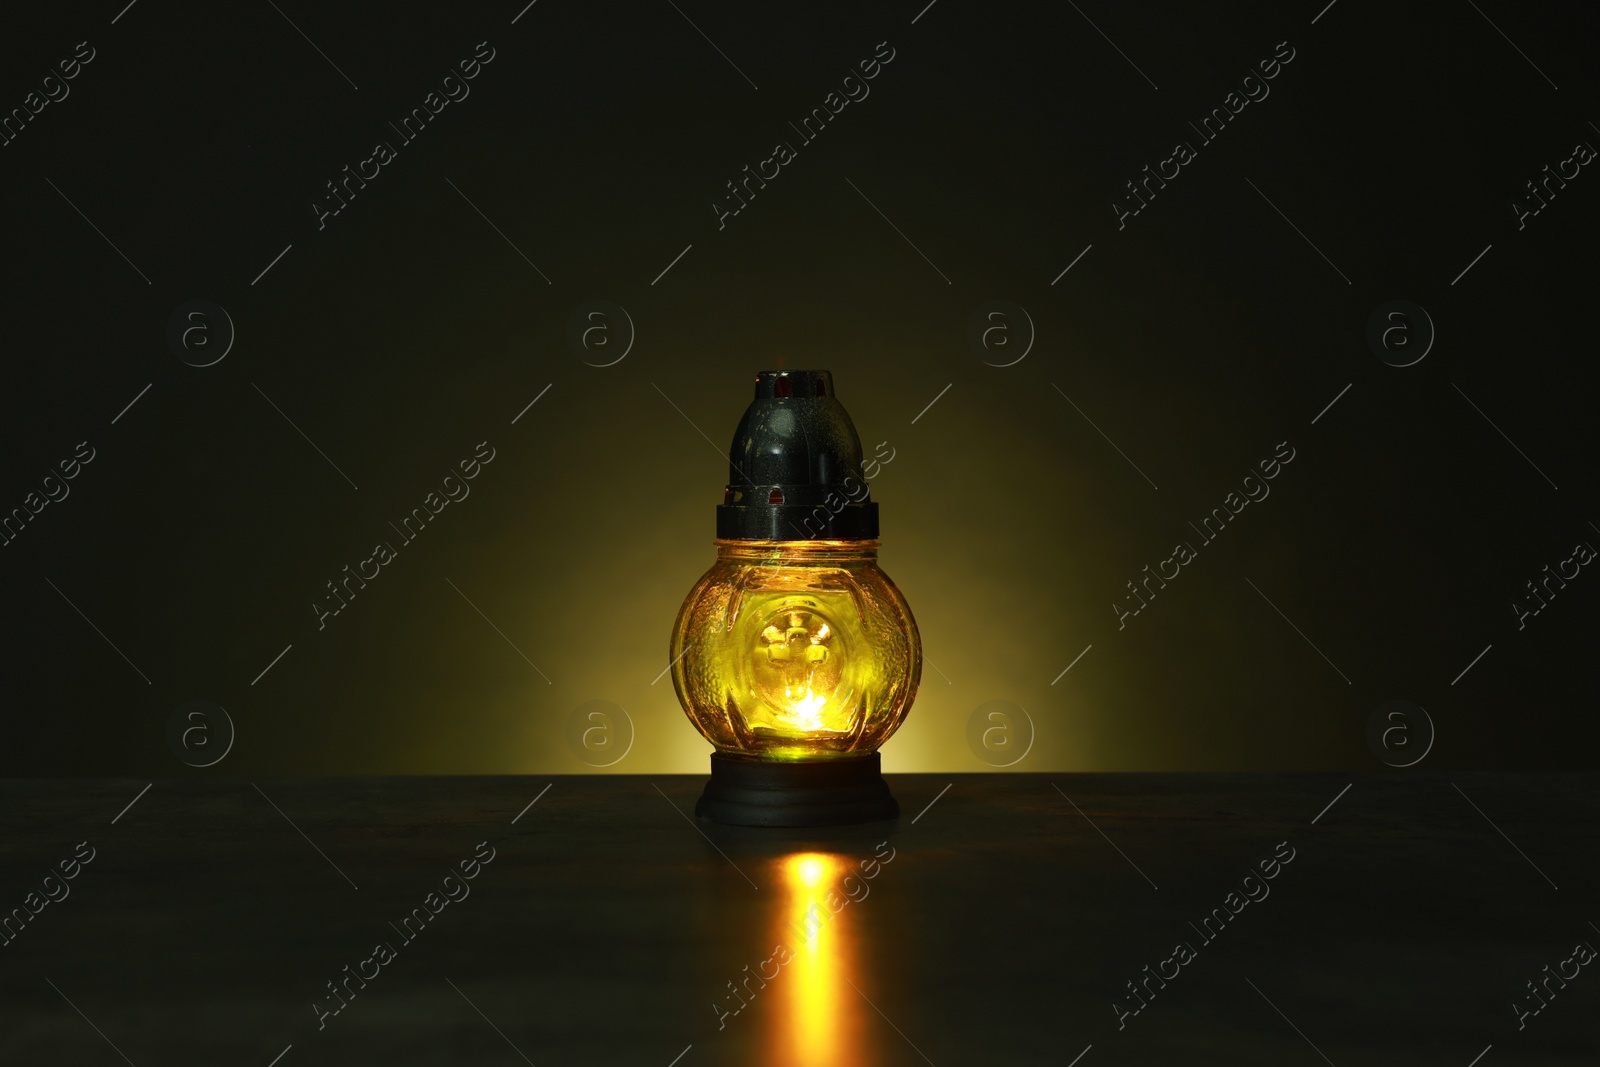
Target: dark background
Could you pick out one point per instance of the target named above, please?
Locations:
(408, 330)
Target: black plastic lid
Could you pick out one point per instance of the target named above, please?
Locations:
(794, 468)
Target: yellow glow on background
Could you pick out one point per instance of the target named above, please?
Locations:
(595, 613)
(598, 622)
(822, 1016)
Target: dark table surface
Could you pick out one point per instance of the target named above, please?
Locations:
(999, 921)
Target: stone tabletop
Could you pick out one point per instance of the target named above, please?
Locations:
(1087, 919)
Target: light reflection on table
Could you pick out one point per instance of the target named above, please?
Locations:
(822, 1021)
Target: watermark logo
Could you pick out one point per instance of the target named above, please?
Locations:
(1400, 333)
(1000, 333)
(599, 732)
(1000, 732)
(600, 333)
(200, 733)
(1399, 733)
(347, 982)
(200, 333)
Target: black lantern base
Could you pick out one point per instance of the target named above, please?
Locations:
(836, 792)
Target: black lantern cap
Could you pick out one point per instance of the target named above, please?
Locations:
(794, 468)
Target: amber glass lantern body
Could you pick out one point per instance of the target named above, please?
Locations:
(796, 651)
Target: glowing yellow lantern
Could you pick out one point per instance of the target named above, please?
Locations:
(795, 655)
